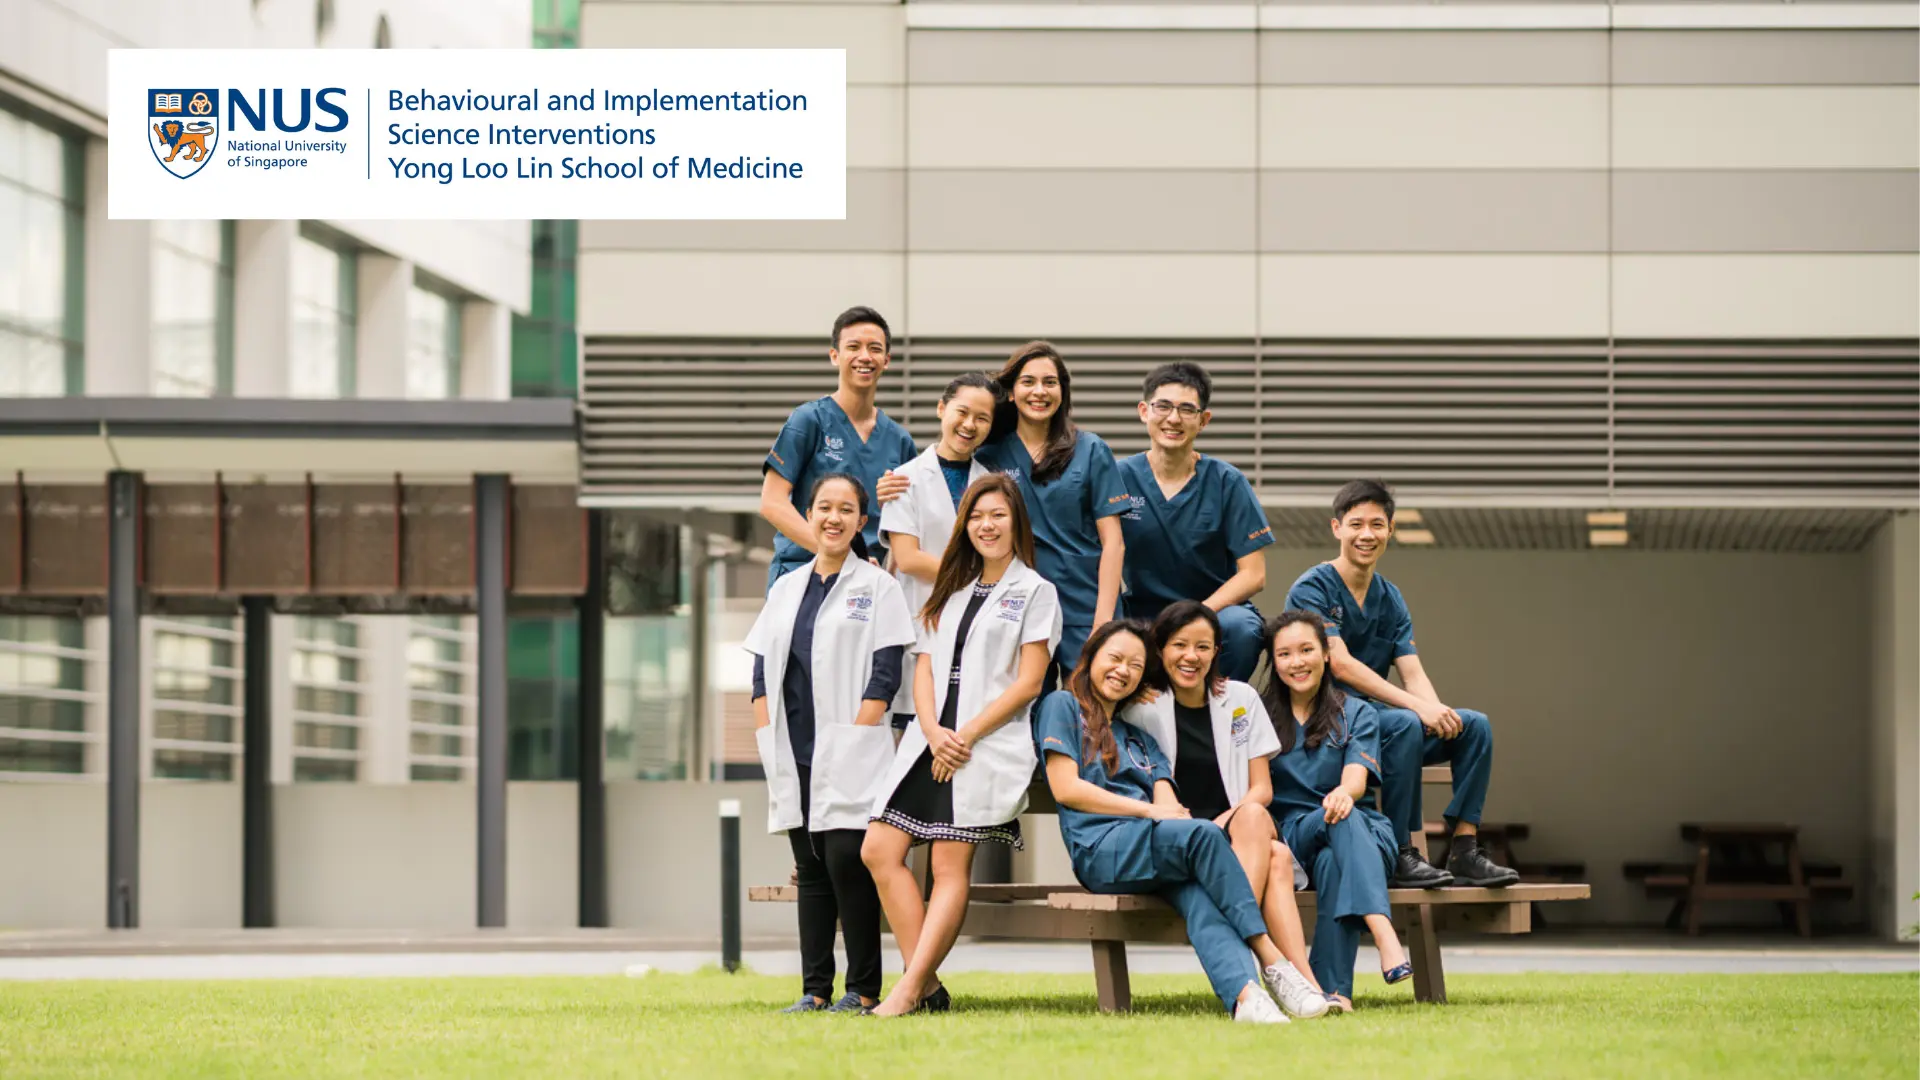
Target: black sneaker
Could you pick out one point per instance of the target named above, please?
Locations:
(1472, 867)
(1410, 871)
(808, 1003)
(850, 1003)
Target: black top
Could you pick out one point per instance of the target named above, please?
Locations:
(796, 689)
(950, 713)
(1196, 769)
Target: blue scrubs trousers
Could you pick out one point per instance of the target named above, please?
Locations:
(1405, 745)
(1240, 644)
(1194, 870)
(1065, 659)
(1348, 863)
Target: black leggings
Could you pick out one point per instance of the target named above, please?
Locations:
(835, 888)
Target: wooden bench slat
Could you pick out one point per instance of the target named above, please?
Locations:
(1717, 831)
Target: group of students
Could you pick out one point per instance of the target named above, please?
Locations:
(1015, 598)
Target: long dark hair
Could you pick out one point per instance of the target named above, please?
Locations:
(859, 550)
(1061, 432)
(1329, 702)
(962, 562)
(1095, 717)
(1176, 617)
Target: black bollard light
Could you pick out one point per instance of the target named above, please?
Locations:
(730, 884)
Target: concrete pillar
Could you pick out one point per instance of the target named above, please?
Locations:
(490, 497)
(385, 737)
(1894, 781)
(119, 292)
(381, 334)
(263, 307)
(124, 754)
(257, 872)
(486, 351)
(592, 721)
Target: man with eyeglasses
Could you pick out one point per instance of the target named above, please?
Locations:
(1195, 530)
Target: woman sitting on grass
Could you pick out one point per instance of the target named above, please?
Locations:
(1127, 833)
(1329, 750)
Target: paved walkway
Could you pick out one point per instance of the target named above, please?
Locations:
(282, 954)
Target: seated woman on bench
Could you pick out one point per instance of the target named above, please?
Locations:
(1329, 750)
(1127, 833)
(1216, 732)
(960, 775)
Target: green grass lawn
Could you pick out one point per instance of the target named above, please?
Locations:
(1003, 1027)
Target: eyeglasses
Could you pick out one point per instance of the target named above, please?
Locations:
(1161, 407)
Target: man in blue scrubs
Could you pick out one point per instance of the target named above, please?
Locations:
(1194, 530)
(842, 432)
(1370, 631)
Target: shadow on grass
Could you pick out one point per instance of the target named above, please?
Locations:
(1088, 1005)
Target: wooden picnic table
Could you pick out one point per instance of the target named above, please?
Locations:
(1737, 861)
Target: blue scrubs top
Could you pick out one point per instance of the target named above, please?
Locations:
(1186, 547)
(1377, 634)
(1066, 543)
(1104, 846)
(818, 439)
(1303, 777)
(956, 473)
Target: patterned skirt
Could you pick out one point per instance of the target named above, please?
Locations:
(922, 807)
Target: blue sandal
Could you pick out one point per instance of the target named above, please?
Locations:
(1398, 974)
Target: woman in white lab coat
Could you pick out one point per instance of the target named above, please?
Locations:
(1216, 734)
(919, 523)
(826, 661)
(960, 775)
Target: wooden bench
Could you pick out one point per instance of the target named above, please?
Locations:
(1108, 923)
(1731, 864)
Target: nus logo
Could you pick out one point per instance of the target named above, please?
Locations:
(186, 122)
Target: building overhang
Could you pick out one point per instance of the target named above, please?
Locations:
(528, 439)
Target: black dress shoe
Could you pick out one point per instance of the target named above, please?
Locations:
(1470, 866)
(937, 1002)
(1410, 871)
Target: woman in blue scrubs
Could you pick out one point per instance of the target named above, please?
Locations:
(1127, 832)
(1329, 751)
(1073, 492)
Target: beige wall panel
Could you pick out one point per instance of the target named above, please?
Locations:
(1054, 127)
(1082, 295)
(1476, 296)
(873, 35)
(1894, 787)
(1433, 57)
(1435, 128)
(1433, 211)
(875, 127)
(1589, 700)
(1766, 57)
(1767, 296)
(1766, 211)
(1090, 210)
(875, 205)
(1764, 127)
(1085, 57)
(730, 295)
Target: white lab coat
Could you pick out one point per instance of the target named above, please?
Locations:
(991, 788)
(926, 513)
(1241, 732)
(862, 612)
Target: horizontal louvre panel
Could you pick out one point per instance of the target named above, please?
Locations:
(1802, 419)
(1550, 422)
(1550, 529)
(1455, 419)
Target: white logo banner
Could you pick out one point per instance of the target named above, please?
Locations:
(477, 134)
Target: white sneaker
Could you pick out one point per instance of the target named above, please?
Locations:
(1257, 1008)
(1294, 992)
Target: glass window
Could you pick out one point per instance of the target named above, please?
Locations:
(41, 237)
(196, 699)
(192, 308)
(324, 346)
(325, 668)
(543, 697)
(433, 345)
(43, 695)
(546, 341)
(440, 740)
